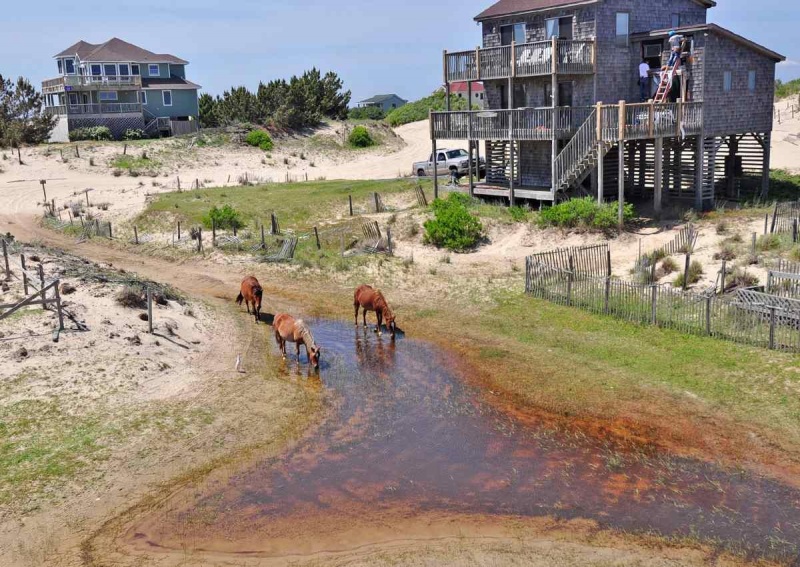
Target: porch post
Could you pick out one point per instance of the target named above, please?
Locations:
(470, 163)
(621, 168)
(511, 152)
(765, 173)
(659, 175)
(699, 172)
(554, 125)
(600, 156)
(733, 150)
(434, 165)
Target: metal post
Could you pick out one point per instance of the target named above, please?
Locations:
(149, 310)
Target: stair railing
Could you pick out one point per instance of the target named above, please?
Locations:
(579, 148)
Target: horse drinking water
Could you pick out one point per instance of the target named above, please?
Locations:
(251, 292)
(370, 299)
(297, 332)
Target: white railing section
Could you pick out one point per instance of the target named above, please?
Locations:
(101, 108)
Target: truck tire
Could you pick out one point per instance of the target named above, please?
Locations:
(421, 172)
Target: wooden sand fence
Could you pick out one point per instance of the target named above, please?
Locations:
(761, 320)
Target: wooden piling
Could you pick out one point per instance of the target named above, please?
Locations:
(135, 235)
(149, 311)
(5, 259)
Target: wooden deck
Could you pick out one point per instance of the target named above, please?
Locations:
(572, 57)
(614, 122)
(494, 189)
(90, 82)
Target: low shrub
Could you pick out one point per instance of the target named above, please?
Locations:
(768, 242)
(740, 278)
(366, 113)
(694, 275)
(260, 139)
(453, 226)
(518, 214)
(794, 253)
(133, 297)
(360, 138)
(225, 217)
(722, 227)
(726, 252)
(585, 213)
(133, 134)
(95, 133)
(669, 266)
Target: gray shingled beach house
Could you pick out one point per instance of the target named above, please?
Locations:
(122, 86)
(565, 115)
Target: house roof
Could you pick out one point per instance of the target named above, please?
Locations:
(117, 50)
(714, 28)
(509, 7)
(377, 99)
(172, 84)
(462, 87)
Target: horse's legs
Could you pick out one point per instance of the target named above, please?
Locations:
(247, 302)
(356, 305)
(365, 317)
(297, 348)
(379, 317)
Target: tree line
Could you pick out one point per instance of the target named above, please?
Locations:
(296, 103)
(21, 118)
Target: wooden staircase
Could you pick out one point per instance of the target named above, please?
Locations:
(580, 156)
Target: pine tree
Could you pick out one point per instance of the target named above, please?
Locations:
(208, 111)
(21, 118)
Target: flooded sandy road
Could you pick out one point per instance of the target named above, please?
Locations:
(406, 437)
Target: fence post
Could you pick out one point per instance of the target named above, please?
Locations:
(24, 273)
(135, 235)
(41, 282)
(58, 306)
(110, 234)
(794, 230)
(772, 327)
(766, 222)
(686, 271)
(5, 259)
(263, 240)
(350, 199)
(724, 274)
(388, 239)
(569, 281)
(213, 233)
(377, 207)
(200, 238)
(150, 310)
(316, 237)
(774, 217)
(654, 304)
(708, 315)
(179, 230)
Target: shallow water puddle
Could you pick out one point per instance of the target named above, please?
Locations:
(406, 437)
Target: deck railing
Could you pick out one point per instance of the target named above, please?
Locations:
(521, 60)
(59, 84)
(91, 109)
(582, 144)
(641, 121)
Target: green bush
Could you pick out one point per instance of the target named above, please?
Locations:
(453, 227)
(518, 214)
(585, 213)
(260, 139)
(695, 273)
(133, 134)
(418, 110)
(226, 217)
(366, 113)
(360, 138)
(95, 133)
(768, 242)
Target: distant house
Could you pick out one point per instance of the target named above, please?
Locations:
(386, 102)
(121, 86)
(461, 91)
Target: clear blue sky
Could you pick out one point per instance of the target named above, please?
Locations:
(376, 47)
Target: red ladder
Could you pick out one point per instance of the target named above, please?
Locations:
(666, 83)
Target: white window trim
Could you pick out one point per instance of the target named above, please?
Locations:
(128, 74)
(143, 97)
(91, 72)
(164, 102)
(150, 69)
(115, 98)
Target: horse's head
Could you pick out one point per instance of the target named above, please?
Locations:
(388, 317)
(314, 355)
(257, 294)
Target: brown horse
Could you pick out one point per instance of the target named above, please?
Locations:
(251, 292)
(297, 332)
(371, 299)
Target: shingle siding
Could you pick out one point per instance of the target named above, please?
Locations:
(582, 25)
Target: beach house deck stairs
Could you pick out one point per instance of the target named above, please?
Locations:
(580, 156)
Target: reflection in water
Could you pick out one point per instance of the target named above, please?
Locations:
(405, 434)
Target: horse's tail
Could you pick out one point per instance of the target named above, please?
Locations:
(239, 298)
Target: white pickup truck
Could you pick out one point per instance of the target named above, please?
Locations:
(448, 161)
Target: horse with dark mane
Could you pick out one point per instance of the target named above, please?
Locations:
(370, 299)
(287, 329)
(251, 293)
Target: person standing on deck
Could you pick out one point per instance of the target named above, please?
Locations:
(675, 40)
(644, 80)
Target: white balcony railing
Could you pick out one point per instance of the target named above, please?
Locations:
(69, 82)
(95, 109)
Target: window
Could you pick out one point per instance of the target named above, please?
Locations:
(455, 154)
(514, 32)
(124, 70)
(564, 94)
(96, 69)
(153, 70)
(143, 97)
(110, 70)
(441, 157)
(751, 81)
(166, 97)
(727, 81)
(135, 69)
(675, 21)
(559, 27)
(106, 96)
(60, 66)
(623, 28)
(69, 65)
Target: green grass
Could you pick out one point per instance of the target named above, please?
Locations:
(784, 186)
(297, 205)
(134, 163)
(789, 88)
